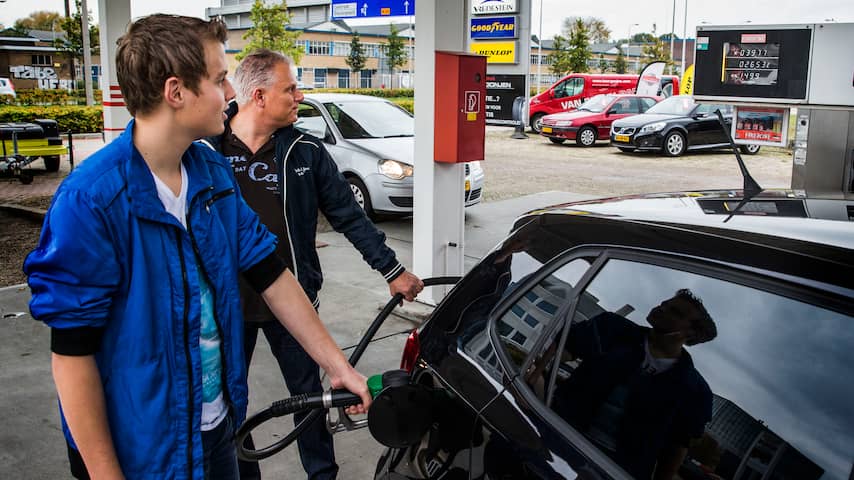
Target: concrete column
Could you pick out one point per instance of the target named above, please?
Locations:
(114, 16)
(438, 240)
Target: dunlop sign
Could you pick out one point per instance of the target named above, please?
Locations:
(489, 7)
(495, 52)
(493, 27)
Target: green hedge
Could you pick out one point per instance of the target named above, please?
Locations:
(374, 92)
(74, 118)
(409, 105)
(49, 97)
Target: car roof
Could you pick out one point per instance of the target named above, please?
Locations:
(342, 97)
(815, 240)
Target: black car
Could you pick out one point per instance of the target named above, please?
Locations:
(674, 126)
(629, 337)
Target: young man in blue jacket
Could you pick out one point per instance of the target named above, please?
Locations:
(286, 176)
(136, 273)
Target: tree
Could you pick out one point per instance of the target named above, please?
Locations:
(597, 31)
(395, 51)
(558, 59)
(620, 63)
(269, 30)
(356, 59)
(579, 48)
(41, 20)
(603, 64)
(72, 44)
(658, 50)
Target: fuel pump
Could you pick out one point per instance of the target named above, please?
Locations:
(400, 414)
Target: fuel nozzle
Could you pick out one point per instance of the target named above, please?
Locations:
(402, 411)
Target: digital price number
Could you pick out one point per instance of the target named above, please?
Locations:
(754, 64)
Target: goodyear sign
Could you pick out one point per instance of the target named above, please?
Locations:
(495, 52)
(493, 27)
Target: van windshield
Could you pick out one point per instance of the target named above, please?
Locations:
(597, 103)
(679, 105)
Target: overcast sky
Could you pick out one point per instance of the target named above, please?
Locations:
(619, 15)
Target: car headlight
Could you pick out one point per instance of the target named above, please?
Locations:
(394, 169)
(652, 127)
(563, 123)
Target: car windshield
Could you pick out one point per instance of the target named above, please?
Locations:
(596, 104)
(370, 119)
(679, 105)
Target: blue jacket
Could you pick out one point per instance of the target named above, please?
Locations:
(112, 258)
(311, 181)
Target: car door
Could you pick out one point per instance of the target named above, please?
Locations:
(745, 397)
(621, 108)
(705, 129)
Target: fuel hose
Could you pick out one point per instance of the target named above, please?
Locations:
(321, 401)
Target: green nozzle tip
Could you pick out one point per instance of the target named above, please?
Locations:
(375, 384)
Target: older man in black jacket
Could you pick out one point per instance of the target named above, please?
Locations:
(286, 176)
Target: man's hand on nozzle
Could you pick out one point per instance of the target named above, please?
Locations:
(407, 284)
(354, 382)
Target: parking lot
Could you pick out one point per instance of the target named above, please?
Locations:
(520, 167)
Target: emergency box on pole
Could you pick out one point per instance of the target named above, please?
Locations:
(460, 120)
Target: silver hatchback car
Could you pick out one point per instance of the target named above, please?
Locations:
(373, 142)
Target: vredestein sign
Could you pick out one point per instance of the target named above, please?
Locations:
(489, 7)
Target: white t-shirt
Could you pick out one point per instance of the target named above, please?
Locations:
(213, 404)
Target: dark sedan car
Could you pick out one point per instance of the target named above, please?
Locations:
(592, 120)
(643, 337)
(674, 126)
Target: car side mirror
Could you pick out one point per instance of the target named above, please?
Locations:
(611, 111)
(329, 138)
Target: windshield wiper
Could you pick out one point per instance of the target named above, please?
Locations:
(400, 135)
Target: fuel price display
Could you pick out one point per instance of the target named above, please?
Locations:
(750, 64)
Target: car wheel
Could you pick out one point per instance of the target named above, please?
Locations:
(556, 140)
(51, 163)
(674, 144)
(626, 149)
(537, 122)
(586, 137)
(749, 149)
(363, 198)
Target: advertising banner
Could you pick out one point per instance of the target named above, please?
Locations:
(501, 90)
(490, 7)
(761, 126)
(493, 27)
(495, 52)
(649, 82)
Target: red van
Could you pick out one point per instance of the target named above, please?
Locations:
(575, 88)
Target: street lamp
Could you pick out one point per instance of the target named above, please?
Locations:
(629, 45)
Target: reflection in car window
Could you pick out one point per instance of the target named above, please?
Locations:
(520, 327)
(370, 119)
(646, 102)
(679, 105)
(772, 390)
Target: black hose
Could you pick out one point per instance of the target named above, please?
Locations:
(318, 409)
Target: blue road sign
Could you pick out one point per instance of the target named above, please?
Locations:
(342, 9)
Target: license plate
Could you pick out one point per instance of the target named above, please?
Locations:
(621, 138)
(547, 129)
(468, 185)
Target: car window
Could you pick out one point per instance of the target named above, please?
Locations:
(665, 369)
(679, 105)
(626, 105)
(575, 86)
(646, 102)
(311, 121)
(530, 317)
(370, 119)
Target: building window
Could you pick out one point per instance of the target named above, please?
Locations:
(318, 48)
(372, 50)
(319, 78)
(340, 49)
(343, 78)
(365, 79)
(42, 60)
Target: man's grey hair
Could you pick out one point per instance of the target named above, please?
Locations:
(256, 71)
